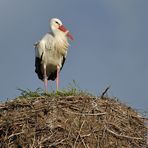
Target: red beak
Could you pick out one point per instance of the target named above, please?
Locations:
(62, 28)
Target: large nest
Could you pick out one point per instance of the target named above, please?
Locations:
(79, 121)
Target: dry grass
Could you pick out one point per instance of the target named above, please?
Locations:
(70, 120)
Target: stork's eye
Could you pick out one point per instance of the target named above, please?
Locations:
(57, 22)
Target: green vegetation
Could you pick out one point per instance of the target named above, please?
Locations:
(72, 89)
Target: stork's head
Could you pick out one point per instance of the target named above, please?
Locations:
(56, 26)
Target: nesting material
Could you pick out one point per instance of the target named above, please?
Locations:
(80, 121)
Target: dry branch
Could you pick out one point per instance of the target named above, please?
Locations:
(85, 114)
(104, 92)
(16, 134)
(124, 136)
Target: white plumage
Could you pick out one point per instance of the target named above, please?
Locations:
(51, 52)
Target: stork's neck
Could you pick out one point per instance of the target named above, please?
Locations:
(57, 33)
(61, 41)
(59, 36)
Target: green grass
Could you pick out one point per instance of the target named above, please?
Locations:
(28, 93)
(72, 89)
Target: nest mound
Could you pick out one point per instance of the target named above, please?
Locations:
(79, 121)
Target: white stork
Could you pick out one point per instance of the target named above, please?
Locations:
(51, 52)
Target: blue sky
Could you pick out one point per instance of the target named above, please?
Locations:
(110, 46)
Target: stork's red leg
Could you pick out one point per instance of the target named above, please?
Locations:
(57, 79)
(46, 85)
(45, 80)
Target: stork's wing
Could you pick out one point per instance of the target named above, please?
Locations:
(40, 47)
(43, 44)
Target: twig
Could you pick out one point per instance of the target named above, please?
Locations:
(3, 107)
(86, 114)
(83, 142)
(78, 134)
(104, 92)
(82, 136)
(129, 137)
(45, 139)
(144, 118)
(57, 142)
(15, 134)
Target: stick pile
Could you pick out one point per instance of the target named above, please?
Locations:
(80, 121)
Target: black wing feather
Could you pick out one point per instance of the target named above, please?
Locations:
(63, 62)
(38, 67)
